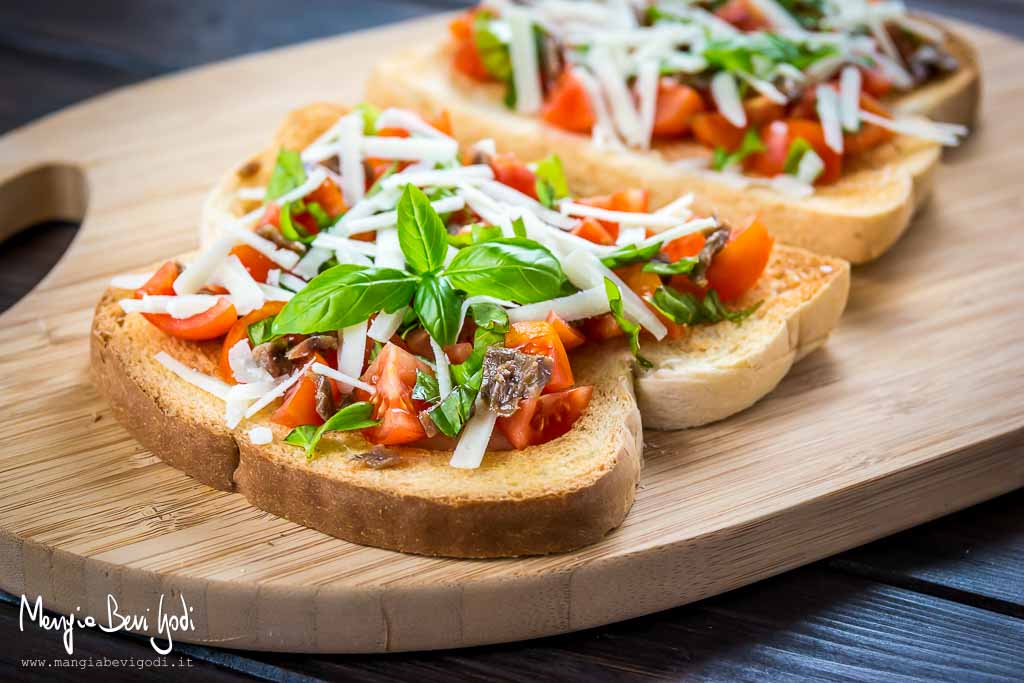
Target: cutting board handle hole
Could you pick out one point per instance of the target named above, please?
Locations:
(40, 212)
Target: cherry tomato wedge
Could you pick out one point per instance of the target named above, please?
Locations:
(256, 263)
(540, 338)
(509, 170)
(738, 266)
(676, 106)
(210, 324)
(239, 331)
(393, 373)
(547, 417)
(568, 105)
(570, 336)
(299, 406)
(161, 283)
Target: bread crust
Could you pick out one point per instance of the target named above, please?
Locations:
(858, 218)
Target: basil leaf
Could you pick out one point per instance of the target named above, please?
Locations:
(630, 253)
(260, 331)
(288, 228)
(751, 144)
(426, 388)
(342, 296)
(797, 149)
(545, 193)
(683, 266)
(494, 53)
(737, 53)
(509, 268)
(351, 417)
(370, 114)
(684, 308)
(550, 170)
(437, 305)
(519, 227)
(288, 174)
(492, 325)
(478, 232)
(421, 232)
(491, 317)
(631, 329)
(451, 413)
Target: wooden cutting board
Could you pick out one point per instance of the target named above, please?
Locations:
(913, 409)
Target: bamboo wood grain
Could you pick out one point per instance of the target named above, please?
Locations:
(912, 410)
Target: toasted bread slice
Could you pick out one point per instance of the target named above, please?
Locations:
(563, 495)
(954, 98)
(857, 218)
(552, 498)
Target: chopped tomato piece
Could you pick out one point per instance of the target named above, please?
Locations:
(210, 324)
(162, 281)
(570, 336)
(714, 130)
(509, 170)
(329, 197)
(676, 106)
(239, 331)
(869, 136)
(595, 231)
(632, 201)
(299, 405)
(743, 15)
(541, 339)
(683, 247)
(761, 110)
(256, 263)
(779, 136)
(738, 266)
(418, 342)
(442, 122)
(544, 418)
(393, 373)
(458, 353)
(875, 82)
(568, 105)
(644, 284)
(602, 327)
(466, 58)
(271, 215)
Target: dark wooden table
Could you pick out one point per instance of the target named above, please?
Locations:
(944, 601)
